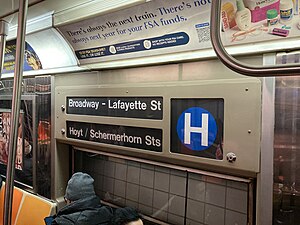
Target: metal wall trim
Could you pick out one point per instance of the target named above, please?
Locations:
(181, 168)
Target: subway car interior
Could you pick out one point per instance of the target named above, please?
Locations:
(185, 110)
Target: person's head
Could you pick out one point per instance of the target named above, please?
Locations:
(81, 185)
(126, 216)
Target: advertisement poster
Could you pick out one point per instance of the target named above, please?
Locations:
(170, 26)
(5, 119)
(253, 21)
(31, 60)
(153, 28)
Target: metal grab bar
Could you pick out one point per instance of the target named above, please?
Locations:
(236, 65)
(15, 112)
(3, 34)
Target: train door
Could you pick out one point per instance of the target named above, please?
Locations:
(33, 163)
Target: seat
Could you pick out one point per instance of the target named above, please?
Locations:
(17, 198)
(34, 209)
(27, 208)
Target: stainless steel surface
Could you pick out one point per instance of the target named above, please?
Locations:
(167, 165)
(265, 177)
(247, 106)
(3, 27)
(286, 188)
(16, 103)
(251, 204)
(3, 34)
(237, 66)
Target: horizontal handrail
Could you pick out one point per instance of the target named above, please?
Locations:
(236, 65)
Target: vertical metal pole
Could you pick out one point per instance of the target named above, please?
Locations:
(15, 112)
(3, 34)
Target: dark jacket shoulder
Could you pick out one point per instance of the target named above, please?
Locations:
(87, 211)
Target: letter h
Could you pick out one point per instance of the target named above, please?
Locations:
(188, 129)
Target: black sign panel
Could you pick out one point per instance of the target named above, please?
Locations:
(129, 107)
(197, 127)
(134, 137)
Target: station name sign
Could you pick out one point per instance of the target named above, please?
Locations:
(127, 136)
(129, 107)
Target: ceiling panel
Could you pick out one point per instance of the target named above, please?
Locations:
(9, 6)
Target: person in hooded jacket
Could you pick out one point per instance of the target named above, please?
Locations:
(83, 206)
